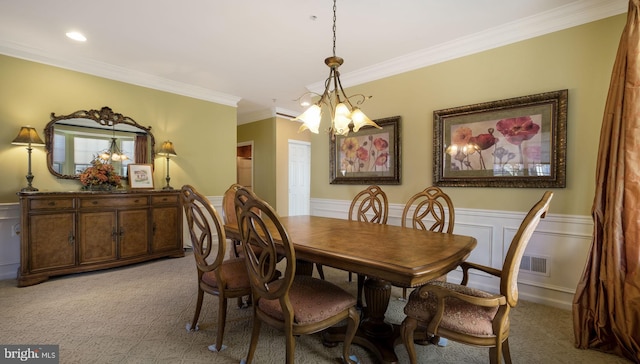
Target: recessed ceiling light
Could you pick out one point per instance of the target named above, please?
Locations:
(77, 36)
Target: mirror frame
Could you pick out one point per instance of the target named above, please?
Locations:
(104, 117)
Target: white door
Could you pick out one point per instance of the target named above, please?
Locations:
(299, 177)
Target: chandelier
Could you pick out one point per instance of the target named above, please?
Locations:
(113, 153)
(344, 114)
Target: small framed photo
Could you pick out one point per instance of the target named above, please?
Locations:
(140, 176)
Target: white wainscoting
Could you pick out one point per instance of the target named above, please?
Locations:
(9, 240)
(562, 241)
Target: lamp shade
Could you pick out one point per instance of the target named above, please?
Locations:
(27, 136)
(310, 119)
(167, 149)
(360, 120)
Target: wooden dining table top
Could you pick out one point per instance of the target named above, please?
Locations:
(406, 257)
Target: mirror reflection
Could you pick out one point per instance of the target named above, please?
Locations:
(73, 141)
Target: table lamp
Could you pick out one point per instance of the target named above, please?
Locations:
(167, 150)
(28, 136)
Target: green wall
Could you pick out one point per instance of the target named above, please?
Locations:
(203, 133)
(263, 135)
(579, 59)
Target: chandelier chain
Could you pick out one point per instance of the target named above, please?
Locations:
(334, 28)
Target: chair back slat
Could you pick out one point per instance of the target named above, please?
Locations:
(229, 214)
(208, 239)
(264, 242)
(511, 265)
(370, 205)
(433, 211)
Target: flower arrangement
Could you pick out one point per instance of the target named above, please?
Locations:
(100, 175)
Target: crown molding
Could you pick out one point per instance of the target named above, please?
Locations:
(116, 73)
(571, 15)
(266, 114)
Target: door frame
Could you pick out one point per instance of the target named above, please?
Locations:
(244, 144)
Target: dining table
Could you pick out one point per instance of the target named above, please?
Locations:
(386, 254)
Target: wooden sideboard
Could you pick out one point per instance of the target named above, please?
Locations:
(71, 232)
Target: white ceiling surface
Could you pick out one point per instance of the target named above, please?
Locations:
(261, 55)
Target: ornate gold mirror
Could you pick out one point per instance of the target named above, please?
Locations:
(73, 141)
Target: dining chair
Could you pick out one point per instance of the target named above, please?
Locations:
(296, 304)
(229, 215)
(369, 205)
(431, 209)
(468, 315)
(225, 278)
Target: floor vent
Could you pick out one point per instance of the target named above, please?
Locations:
(534, 264)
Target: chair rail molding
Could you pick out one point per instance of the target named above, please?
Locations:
(561, 242)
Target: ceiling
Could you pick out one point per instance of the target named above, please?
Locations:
(261, 55)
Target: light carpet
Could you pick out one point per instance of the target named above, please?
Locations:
(137, 314)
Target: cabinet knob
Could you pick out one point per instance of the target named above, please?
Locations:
(94, 202)
(51, 203)
(71, 238)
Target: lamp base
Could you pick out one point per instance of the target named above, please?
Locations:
(29, 189)
(167, 187)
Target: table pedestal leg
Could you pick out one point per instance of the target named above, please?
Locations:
(304, 268)
(376, 294)
(374, 333)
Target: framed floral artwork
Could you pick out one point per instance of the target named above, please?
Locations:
(140, 176)
(517, 142)
(370, 156)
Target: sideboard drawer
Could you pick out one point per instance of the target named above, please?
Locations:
(51, 203)
(129, 201)
(170, 199)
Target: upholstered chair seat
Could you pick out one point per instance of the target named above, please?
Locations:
(235, 271)
(313, 300)
(459, 316)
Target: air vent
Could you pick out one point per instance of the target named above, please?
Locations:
(534, 264)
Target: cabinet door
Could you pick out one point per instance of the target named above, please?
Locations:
(133, 232)
(166, 233)
(52, 241)
(98, 236)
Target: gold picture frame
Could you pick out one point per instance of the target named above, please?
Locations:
(517, 142)
(370, 156)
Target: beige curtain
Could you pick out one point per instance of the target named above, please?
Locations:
(606, 306)
(141, 149)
